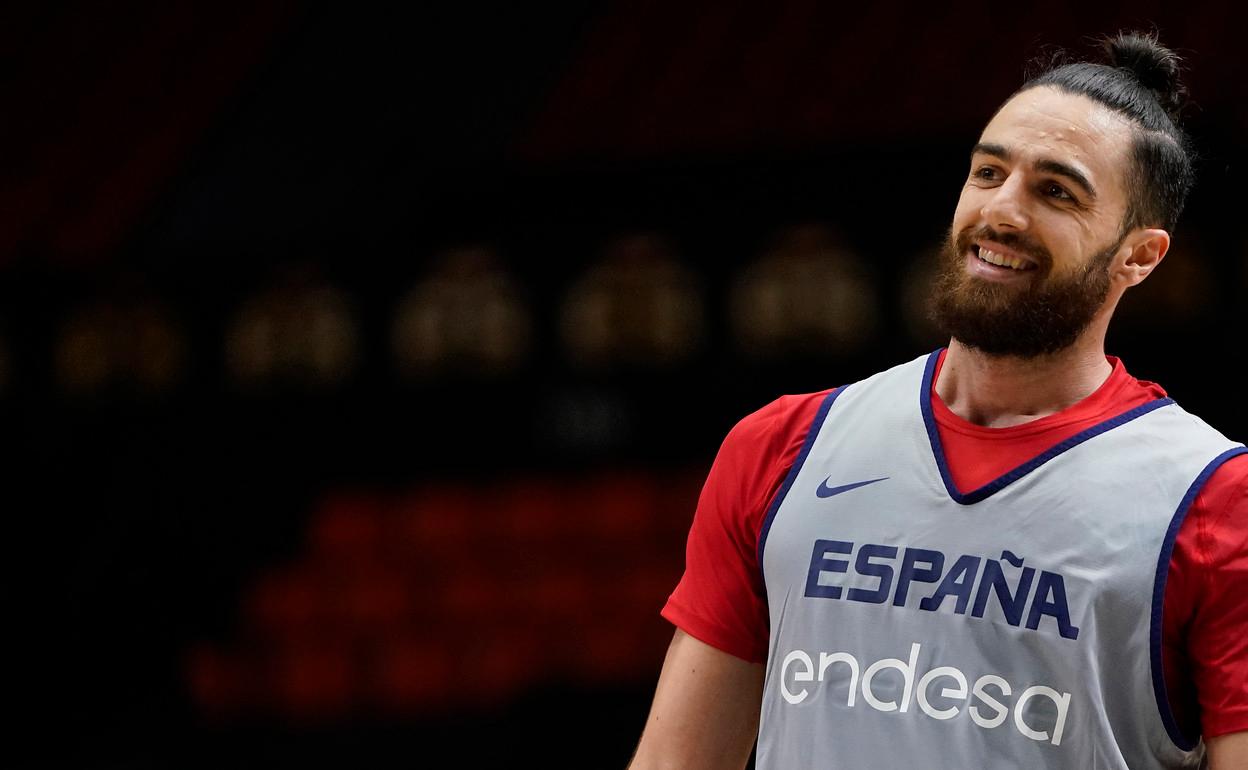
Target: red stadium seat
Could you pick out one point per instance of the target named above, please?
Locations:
(436, 521)
(286, 602)
(347, 525)
(315, 679)
(218, 682)
(532, 512)
(412, 673)
(373, 601)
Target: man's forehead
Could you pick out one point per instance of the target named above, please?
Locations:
(1045, 122)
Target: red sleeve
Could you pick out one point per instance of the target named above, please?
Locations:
(1205, 615)
(720, 599)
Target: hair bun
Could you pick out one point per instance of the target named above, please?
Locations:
(1155, 66)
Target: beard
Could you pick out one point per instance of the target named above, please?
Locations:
(1043, 317)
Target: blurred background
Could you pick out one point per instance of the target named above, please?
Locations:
(360, 367)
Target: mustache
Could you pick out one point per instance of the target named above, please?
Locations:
(1019, 243)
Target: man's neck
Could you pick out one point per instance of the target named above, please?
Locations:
(1000, 392)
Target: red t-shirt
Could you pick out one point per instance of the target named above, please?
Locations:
(721, 599)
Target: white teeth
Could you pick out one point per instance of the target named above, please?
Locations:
(1001, 260)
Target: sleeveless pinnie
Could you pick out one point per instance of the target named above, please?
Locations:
(1014, 626)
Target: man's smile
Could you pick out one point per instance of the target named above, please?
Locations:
(995, 262)
(1002, 256)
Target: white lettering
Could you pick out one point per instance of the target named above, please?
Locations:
(798, 676)
(947, 692)
(798, 666)
(907, 673)
(826, 660)
(988, 700)
(1061, 700)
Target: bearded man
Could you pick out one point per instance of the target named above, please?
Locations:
(1010, 552)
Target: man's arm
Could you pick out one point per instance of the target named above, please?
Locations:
(705, 711)
(1228, 752)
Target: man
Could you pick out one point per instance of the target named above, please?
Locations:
(1009, 553)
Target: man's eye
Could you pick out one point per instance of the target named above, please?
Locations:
(986, 172)
(1057, 191)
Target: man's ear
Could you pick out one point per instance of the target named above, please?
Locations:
(1145, 250)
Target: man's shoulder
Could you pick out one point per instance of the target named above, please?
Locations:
(1226, 491)
(1182, 419)
(784, 423)
(793, 414)
(785, 416)
(766, 440)
(755, 456)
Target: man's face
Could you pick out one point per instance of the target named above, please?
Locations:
(1026, 266)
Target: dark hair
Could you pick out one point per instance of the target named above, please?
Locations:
(1140, 80)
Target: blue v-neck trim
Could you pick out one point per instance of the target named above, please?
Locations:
(1009, 477)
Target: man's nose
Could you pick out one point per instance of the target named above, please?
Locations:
(1007, 208)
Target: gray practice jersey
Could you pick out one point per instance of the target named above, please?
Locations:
(1013, 626)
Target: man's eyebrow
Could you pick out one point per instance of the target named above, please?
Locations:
(1044, 164)
(1070, 172)
(988, 148)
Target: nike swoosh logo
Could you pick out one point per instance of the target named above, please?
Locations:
(826, 491)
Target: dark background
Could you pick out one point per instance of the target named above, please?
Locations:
(210, 222)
